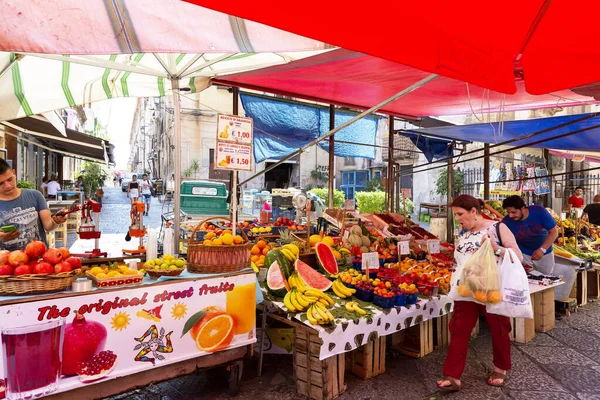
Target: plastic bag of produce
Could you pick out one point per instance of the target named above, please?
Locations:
(514, 289)
(480, 280)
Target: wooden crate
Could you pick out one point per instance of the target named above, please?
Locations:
(579, 290)
(50, 238)
(543, 310)
(416, 341)
(523, 330)
(316, 379)
(368, 360)
(73, 222)
(60, 235)
(441, 331)
(593, 284)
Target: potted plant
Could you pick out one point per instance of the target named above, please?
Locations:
(93, 179)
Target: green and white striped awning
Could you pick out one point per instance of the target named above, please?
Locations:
(56, 54)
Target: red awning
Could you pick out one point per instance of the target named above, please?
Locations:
(355, 80)
(472, 40)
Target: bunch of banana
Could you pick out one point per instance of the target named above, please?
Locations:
(340, 290)
(296, 281)
(353, 306)
(344, 252)
(296, 301)
(317, 314)
(290, 251)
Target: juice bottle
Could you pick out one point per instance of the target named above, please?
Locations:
(241, 305)
(32, 359)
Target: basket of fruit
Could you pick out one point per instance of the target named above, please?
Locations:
(37, 270)
(112, 275)
(218, 254)
(165, 266)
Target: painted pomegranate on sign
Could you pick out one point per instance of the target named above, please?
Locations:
(83, 340)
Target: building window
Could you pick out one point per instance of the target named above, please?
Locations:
(354, 181)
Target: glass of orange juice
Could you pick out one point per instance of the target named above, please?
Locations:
(241, 306)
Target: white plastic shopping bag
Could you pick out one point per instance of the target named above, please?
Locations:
(514, 289)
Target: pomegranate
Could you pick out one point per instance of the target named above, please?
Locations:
(35, 249)
(62, 267)
(23, 269)
(97, 367)
(18, 257)
(6, 269)
(52, 256)
(65, 252)
(43, 268)
(74, 262)
(4, 256)
(82, 340)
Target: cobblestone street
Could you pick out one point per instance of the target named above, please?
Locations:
(114, 217)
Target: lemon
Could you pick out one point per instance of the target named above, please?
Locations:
(149, 264)
(168, 257)
(173, 267)
(96, 270)
(123, 268)
(261, 230)
(254, 230)
(158, 261)
(217, 242)
(101, 275)
(268, 229)
(131, 272)
(112, 274)
(180, 263)
(227, 239)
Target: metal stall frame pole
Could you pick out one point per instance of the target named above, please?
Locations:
(376, 107)
(234, 197)
(177, 162)
(486, 171)
(450, 218)
(390, 166)
(331, 157)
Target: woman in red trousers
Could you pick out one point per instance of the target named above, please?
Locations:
(474, 231)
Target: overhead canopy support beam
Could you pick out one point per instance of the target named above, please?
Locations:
(52, 137)
(331, 157)
(177, 159)
(390, 167)
(395, 97)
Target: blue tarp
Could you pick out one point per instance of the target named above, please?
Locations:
(431, 147)
(282, 127)
(488, 133)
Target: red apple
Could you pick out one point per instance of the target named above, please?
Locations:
(62, 267)
(74, 261)
(43, 268)
(18, 257)
(52, 256)
(35, 249)
(65, 252)
(24, 269)
(4, 256)
(6, 269)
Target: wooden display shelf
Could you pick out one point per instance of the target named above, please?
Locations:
(316, 379)
(580, 288)
(593, 284)
(416, 341)
(368, 361)
(60, 235)
(542, 301)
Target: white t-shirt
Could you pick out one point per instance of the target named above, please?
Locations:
(146, 185)
(53, 188)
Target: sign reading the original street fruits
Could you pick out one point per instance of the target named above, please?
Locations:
(62, 344)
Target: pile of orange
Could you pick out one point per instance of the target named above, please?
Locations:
(258, 252)
(225, 239)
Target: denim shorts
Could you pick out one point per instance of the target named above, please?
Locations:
(147, 198)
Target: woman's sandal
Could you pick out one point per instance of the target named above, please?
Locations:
(453, 387)
(496, 375)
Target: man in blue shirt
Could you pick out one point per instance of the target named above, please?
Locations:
(535, 230)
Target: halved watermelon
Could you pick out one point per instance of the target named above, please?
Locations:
(312, 278)
(275, 283)
(326, 259)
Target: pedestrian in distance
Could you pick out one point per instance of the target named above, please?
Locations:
(576, 201)
(591, 212)
(146, 192)
(133, 189)
(475, 230)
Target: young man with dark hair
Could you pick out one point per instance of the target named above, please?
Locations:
(26, 210)
(576, 201)
(535, 230)
(591, 212)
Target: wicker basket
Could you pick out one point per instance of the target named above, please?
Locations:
(36, 284)
(203, 259)
(157, 273)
